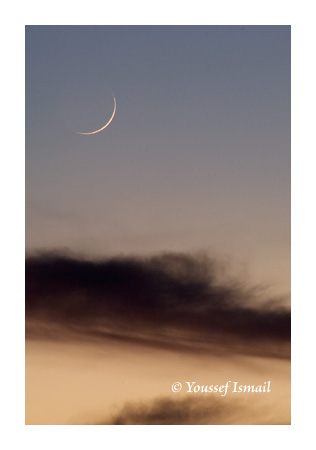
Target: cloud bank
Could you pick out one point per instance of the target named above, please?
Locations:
(196, 411)
(168, 299)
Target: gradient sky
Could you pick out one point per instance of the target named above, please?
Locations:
(197, 157)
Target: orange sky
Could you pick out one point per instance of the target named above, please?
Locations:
(77, 383)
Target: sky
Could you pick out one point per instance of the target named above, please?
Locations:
(158, 249)
(196, 159)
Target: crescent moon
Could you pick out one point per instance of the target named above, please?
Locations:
(106, 125)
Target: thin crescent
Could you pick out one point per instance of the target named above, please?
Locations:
(106, 125)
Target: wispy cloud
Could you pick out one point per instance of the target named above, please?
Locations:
(194, 411)
(169, 299)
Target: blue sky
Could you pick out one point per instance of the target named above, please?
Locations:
(197, 157)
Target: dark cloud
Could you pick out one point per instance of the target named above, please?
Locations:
(164, 411)
(170, 298)
(195, 411)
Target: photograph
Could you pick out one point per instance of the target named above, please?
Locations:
(158, 225)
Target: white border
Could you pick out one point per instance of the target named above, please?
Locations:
(16, 434)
